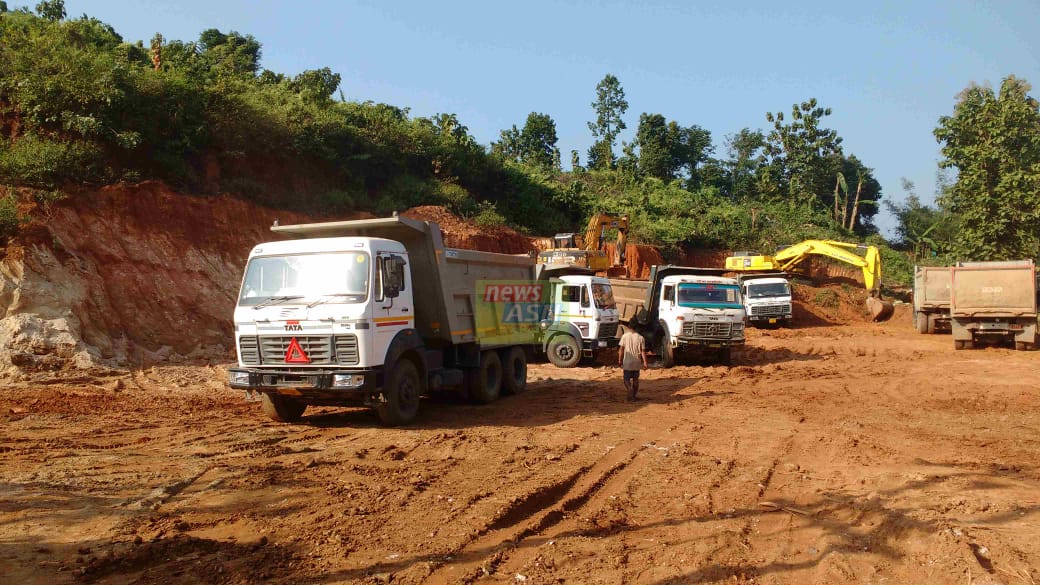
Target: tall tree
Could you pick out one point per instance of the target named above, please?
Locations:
(745, 150)
(538, 140)
(50, 9)
(610, 107)
(655, 152)
(805, 153)
(993, 140)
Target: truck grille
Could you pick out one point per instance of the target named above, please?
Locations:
(771, 309)
(248, 352)
(346, 350)
(710, 329)
(608, 330)
(317, 347)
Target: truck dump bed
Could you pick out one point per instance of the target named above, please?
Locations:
(931, 287)
(445, 279)
(993, 289)
(634, 297)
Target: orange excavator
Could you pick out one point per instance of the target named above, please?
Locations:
(589, 251)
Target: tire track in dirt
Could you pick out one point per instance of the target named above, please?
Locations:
(532, 515)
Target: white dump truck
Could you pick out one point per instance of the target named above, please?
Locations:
(378, 312)
(681, 309)
(767, 298)
(581, 315)
(992, 302)
(931, 298)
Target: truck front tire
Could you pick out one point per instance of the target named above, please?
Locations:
(665, 350)
(281, 409)
(564, 351)
(401, 394)
(726, 356)
(485, 382)
(514, 366)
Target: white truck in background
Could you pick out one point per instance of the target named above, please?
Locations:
(767, 298)
(378, 312)
(993, 302)
(681, 309)
(581, 316)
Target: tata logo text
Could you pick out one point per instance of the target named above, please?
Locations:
(525, 312)
(513, 293)
(293, 326)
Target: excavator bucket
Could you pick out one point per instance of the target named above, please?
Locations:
(880, 310)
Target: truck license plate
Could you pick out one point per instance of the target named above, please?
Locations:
(771, 321)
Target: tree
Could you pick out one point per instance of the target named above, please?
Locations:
(316, 85)
(993, 140)
(232, 53)
(655, 152)
(3, 6)
(923, 229)
(806, 155)
(575, 162)
(53, 10)
(509, 144)
(538, 141)
(746, 157)
(610, 106)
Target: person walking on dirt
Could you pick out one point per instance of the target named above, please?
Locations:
(632, 358)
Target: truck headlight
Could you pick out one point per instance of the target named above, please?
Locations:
(348, 380)
(238, 378)
(738, 326)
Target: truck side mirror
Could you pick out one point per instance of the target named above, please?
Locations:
(393, 276)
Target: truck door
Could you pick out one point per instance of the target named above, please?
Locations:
(392, 293)
(575, 306)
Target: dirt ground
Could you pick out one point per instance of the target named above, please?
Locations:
(858, 453)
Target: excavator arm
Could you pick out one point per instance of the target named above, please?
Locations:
(600, 223)
(792, 256)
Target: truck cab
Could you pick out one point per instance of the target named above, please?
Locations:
(582, 318)
(703, 312)
(767, 299)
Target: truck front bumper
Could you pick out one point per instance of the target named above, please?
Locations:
(358, 385)
(708, 342)
(769, 318)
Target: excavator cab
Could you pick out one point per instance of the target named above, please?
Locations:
(566, 242)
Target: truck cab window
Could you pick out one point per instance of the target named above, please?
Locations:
(584, 296)
(669, 293)
(570, 294)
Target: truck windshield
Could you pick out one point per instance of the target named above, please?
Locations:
(709, 296)
(773, 289)
(344, 275)
(603, 295)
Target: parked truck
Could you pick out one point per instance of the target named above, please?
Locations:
(993, 302)
(767, 298)
(581, 316)
(681, 309)
(931, 298)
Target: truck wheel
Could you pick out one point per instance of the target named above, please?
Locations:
(281, 409)
(402, 393)
(1023, 346)
(485, 382)
(665, 349)
(564, 351)
(930, 323)
(514, 370)
(921, 322)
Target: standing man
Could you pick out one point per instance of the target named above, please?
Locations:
(632, 358)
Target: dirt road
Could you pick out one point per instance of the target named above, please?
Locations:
(841, 454)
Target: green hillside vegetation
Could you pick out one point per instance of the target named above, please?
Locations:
(81, 105)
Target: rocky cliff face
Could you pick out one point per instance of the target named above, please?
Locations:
(126, 275)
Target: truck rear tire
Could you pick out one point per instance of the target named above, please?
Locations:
(281, 409)
(963, 344)
(485, 382)
(930, 323)
(921, 322)
(1023, 346)
(402, 392)
(564, 351)
(514, 370)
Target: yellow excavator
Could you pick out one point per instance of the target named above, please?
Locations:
(793, 259)
(587, 252)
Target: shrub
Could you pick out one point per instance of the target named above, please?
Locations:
(43, 162)
(488, 216)
(826, 298)
(10, 219)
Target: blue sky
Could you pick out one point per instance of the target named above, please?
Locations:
(888, 70)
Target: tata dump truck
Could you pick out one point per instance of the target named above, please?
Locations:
(767, 298)
(580, 315)
(378, 312)
(993, 302)
(681, 309)
(932, 298)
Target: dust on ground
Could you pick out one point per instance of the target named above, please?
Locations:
(828, 454)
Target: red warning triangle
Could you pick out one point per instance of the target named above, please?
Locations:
(295, 354)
